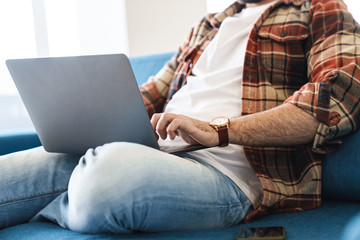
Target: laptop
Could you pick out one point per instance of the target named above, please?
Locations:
(77, 103)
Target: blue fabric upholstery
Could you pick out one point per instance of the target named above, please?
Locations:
(146, 66)
(340, 181)
(19, 140)
(341, 171)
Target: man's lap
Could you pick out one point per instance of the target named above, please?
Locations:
(122, 187)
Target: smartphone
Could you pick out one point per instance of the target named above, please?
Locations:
(261, 233)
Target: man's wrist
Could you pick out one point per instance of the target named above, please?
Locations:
(221, 125)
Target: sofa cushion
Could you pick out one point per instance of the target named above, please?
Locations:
(341, 171)
(326, 222)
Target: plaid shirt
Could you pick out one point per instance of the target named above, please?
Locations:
(299, 51)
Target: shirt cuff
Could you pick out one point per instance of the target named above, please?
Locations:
(316, 99)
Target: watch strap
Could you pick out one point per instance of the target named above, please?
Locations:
(223, 136)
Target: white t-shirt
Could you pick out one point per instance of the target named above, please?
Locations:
(215, 90)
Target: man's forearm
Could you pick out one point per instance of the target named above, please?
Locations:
(281, 126)
(284, 125)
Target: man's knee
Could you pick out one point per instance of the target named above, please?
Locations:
(108, 181)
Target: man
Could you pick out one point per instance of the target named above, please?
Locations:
(281, 81)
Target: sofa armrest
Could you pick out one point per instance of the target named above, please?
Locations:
(17, 141)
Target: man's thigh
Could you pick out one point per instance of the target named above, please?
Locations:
(124, 187)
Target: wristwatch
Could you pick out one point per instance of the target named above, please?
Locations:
(221, 125)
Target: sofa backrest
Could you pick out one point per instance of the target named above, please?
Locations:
(341, 171)
(146, 66)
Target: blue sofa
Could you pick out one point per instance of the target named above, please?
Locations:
(336, 218)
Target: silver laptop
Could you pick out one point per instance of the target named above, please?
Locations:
(77, 103)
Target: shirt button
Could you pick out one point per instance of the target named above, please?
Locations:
(283, 33)
(335, 118)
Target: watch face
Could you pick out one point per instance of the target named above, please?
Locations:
(219, 121)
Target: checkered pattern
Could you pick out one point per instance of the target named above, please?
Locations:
(301, 52)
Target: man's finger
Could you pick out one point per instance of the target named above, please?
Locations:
(163, 123)
(172, 128)
(154, 120)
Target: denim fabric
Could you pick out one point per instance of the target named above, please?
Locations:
(120, 188)
(29, 180)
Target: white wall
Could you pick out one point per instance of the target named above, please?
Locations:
(102, 26)
(160, 25)
(135, 27)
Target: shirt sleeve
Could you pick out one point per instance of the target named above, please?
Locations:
(333, 91)
(154, 91)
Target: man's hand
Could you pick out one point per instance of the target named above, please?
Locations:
(190, 130)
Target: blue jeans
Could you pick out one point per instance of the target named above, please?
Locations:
(119, 188)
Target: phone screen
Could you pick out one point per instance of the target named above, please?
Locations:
(272, 233)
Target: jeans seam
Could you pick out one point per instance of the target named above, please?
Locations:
(7, 202)
(192, 205)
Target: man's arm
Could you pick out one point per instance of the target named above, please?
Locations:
(284, 125)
